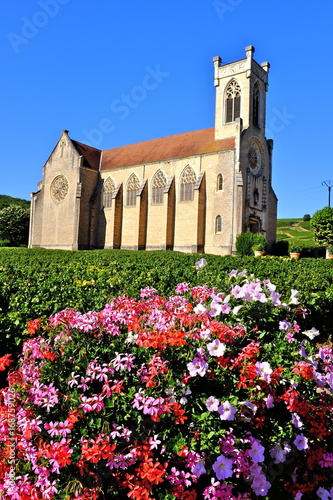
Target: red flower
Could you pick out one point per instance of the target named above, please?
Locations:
(303, 369)
(5, 361)
(34, 325)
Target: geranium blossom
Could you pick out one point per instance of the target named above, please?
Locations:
(99, 398)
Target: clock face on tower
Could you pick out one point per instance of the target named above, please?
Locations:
(255, 157)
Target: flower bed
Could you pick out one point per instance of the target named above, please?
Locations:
(205, 394)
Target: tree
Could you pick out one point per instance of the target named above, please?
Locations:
(322, 225)
(14, 225)
(307, 217)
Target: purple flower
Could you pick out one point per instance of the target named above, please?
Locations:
(212, 404)
(270, 401)
(197, 367)
(222, 467)
(297, 422)
(284, 325)
(200, 264)
(227, 411)
(323, 494)
(216, 348)
(301, 442)
(278, 454)
(257, 452)
(199, 468)
(260, 485)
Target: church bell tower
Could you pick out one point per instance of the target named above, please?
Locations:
(240, 94)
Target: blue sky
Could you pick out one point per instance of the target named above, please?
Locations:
(71, 64)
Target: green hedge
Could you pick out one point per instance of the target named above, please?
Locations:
(36, 283)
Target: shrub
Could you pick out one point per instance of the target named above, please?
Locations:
(14, 225)
(259, 242)
(200, 395)
(322, 225)
(295, 246)
(244, 243)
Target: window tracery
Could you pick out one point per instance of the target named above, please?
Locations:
(133, 186)
(108, 189)
(233, 101)
(187, 183)
(158, 186)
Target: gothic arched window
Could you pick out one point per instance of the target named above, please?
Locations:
(133, 185)
(233, 101)
(108, 188)
(218, 224)
(255, 105)
(158, 186)
(187, 183)
(219, 183)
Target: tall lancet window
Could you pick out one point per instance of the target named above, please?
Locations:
(255, 105)
(233, 101)
(133, 185)
(187, 183)
(158, 186)
(108, 188)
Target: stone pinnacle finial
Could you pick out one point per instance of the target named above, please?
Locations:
(249, 51)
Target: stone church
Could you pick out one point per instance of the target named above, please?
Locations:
(192, 192)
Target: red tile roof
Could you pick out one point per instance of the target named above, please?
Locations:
(91, 156)
(175, 146)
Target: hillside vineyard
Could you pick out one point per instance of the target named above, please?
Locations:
(192, 192)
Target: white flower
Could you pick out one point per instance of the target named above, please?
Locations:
(311, 333)
(200, 308)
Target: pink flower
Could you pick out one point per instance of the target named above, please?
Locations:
(182, 288)
(154, 442)
(222, 467)
(212, 404)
